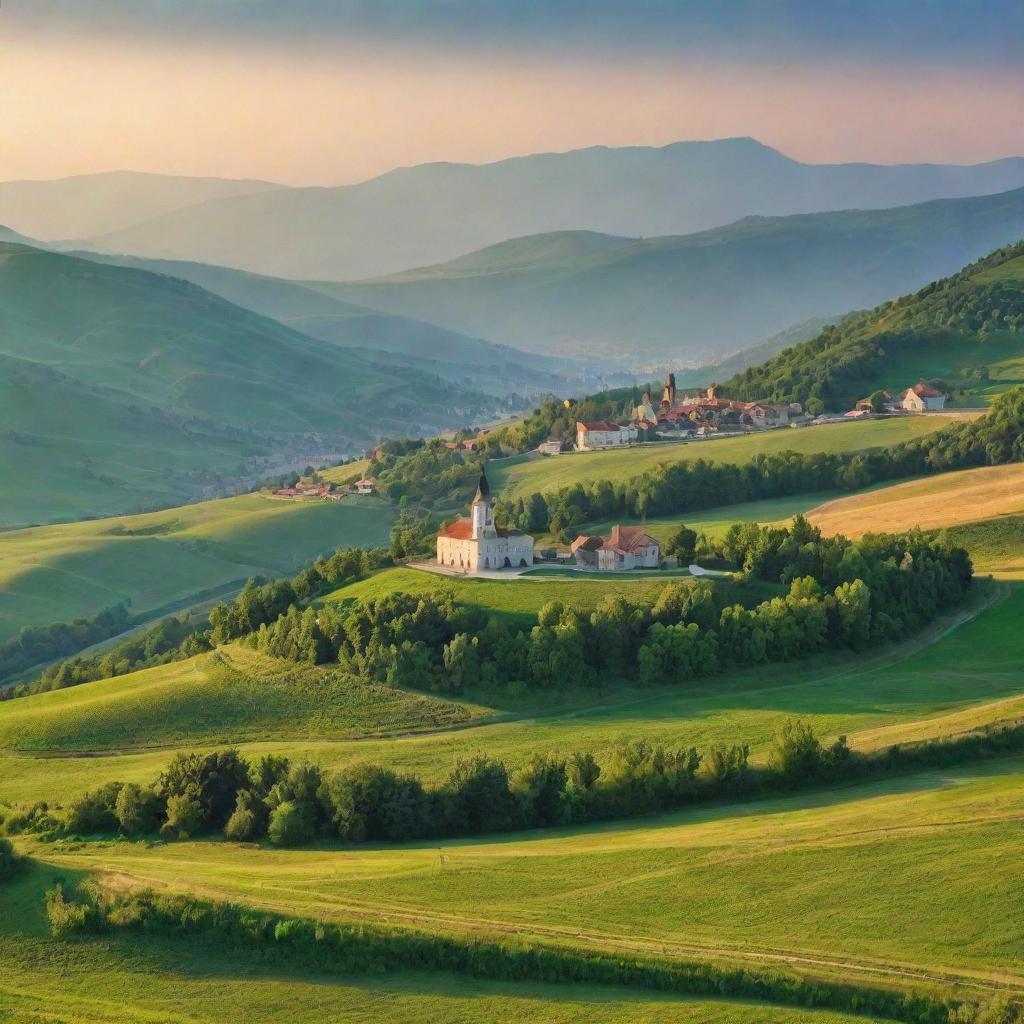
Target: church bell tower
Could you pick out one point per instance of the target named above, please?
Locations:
(483, 520)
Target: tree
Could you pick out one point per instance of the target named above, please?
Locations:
(184, 816)
(797, 755)
(290, 824)
(683, 544)
(137, 809)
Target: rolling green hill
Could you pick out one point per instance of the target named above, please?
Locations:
(162, 559)
(523, 475)
(469, 362)
(699, 296)
(967, 330)
(124, 390)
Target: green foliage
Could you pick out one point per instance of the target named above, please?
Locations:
(848, 359)
(184, 816)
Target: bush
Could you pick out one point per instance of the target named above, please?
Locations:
(184, 817)
(69, 917)
(138, 810)
(94, 812)
(291, 824)
(10, 862)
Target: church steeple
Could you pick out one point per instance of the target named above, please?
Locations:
(483, 520)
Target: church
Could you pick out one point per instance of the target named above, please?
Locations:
(476, 543)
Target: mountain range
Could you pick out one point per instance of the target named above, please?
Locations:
(432, 213)
(693, 297)
(122, 389)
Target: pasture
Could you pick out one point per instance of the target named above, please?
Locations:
(962, 673)
(926, 865)
(935, 502)
(162, 560)
(523, 475)
(143, 979)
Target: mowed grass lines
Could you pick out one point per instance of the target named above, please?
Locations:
(943, 682)
(228, 695)
(948, 499)
(919, 874)
(521, 476)
(58, 573)
(142, 980)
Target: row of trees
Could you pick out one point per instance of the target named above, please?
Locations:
(291, 804)
(36, 644)
(842, 594)
(179, 637)
(675, 488)
(360, 948)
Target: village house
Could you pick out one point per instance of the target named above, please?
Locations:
(627, 547)
(921, 398)
(364, 486)
(476, 543)
(604, 435)
(550, 447)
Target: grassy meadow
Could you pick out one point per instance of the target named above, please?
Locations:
(164, 559)
(948, 499)
(964, 672)
(926, 866)
(523, 475)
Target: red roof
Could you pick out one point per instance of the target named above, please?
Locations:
(923, 391)
(461, 529)
(624, 539)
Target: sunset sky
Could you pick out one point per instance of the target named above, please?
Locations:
(318, 92)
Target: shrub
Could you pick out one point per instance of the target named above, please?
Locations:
(95, 811)
(10, 862)
(184, 817)
(69, 917)
(138, 810)
(290, 824)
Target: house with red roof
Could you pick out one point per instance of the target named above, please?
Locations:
(922, 398)
(590, 436)
(627, 547)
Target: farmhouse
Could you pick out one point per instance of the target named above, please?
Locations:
(476, 543)
(364, 486)
(921, 398)
(604, 435)
(628, 547)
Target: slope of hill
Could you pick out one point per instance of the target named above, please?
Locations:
(967, 330)
(469, 362)
(695, 297)
(87, 204)
(125, 390)
(162, 559)
(422, 215)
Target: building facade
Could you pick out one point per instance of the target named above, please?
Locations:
(628, 547)
(604, 435)
(476, 543)
(921, 398)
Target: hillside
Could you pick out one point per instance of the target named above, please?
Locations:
(125, 389)
(415, 216)
(469, 362)
(163, 559)
(88, 204)
(521, 476)
(967, 330)
(695, 297)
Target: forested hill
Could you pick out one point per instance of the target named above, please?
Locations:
(966, 331)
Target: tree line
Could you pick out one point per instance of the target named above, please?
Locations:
(178, 637)
(842, 594)
(675, 488)
(289, 804)
(361, 948)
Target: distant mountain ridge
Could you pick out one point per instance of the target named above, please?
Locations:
(432, 213)
(693, 297)
(88, 204)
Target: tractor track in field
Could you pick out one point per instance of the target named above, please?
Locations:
(987, 980)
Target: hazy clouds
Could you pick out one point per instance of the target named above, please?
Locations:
(311, 91)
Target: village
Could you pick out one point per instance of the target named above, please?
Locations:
(706, 415)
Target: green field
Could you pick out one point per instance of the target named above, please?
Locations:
(164, 559)
(926, 865)
(912, 687)
(143, 980)
(523, 475)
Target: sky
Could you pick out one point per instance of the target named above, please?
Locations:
(324, 92)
